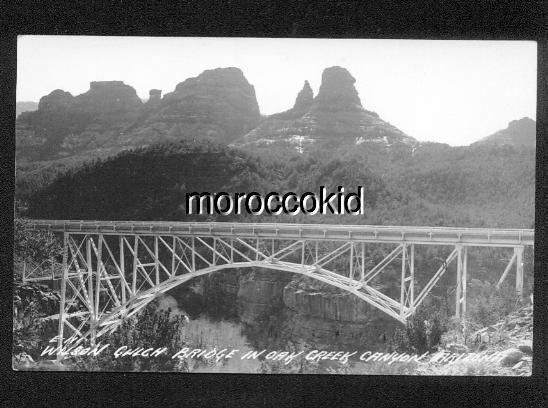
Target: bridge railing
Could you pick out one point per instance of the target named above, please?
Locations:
(410, 234)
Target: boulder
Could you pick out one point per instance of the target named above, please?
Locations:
(526, 346)
(510, 357)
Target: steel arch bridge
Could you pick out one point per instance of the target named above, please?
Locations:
(112, 269)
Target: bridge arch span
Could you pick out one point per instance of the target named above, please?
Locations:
(137, 303)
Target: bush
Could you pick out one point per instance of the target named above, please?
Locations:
(491, 306)
(150, 328)
(32, 304)
(423, 331)
(38, 248)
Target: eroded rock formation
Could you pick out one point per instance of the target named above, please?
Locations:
(219, 104)
(334, 115)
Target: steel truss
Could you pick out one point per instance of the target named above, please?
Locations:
(108, 276)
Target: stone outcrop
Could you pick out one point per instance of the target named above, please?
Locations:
(325, 316)
(309, 311)
(219, 104)
(520, 132)
(304, 98)
(260, 293)
(56, 100)
(109, 101)
(154, 98)
(335, 115)
(337, 92)
(65, 124)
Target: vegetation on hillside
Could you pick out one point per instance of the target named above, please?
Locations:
(431, 184)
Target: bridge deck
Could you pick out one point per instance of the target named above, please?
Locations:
(372, 233)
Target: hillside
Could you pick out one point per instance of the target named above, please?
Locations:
(520, 132)
(426, 184)
(430, 185)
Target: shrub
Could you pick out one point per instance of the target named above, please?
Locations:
(423, 331)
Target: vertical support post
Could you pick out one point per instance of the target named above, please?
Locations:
(135, 260)
(174, 248)
(156, 260)
(412, 279)
(519, 270)
(459, 282)
(302, 253)
(214, 249)
(231, 250)
(316, 252)
(362, 273)
(193, 254)
(89, 261)
(464, 278)
(402, 288)
(98, 274)
(123, 272)
(64, 278)
(351, 275)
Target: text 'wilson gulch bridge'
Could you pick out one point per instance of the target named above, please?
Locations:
(112, 269)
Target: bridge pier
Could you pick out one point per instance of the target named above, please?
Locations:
(407, 283)
(61, 324)
(517, 258)
(460, 296)
(519, 270)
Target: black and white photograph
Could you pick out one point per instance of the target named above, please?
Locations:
(274, 205)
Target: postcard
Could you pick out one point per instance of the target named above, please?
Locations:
(274, 206)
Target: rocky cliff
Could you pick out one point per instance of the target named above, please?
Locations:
(324, 316)
(219, 104)
(65, 125)
(335, 115)
(294, 309)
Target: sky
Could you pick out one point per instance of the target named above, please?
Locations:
(453, 92)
